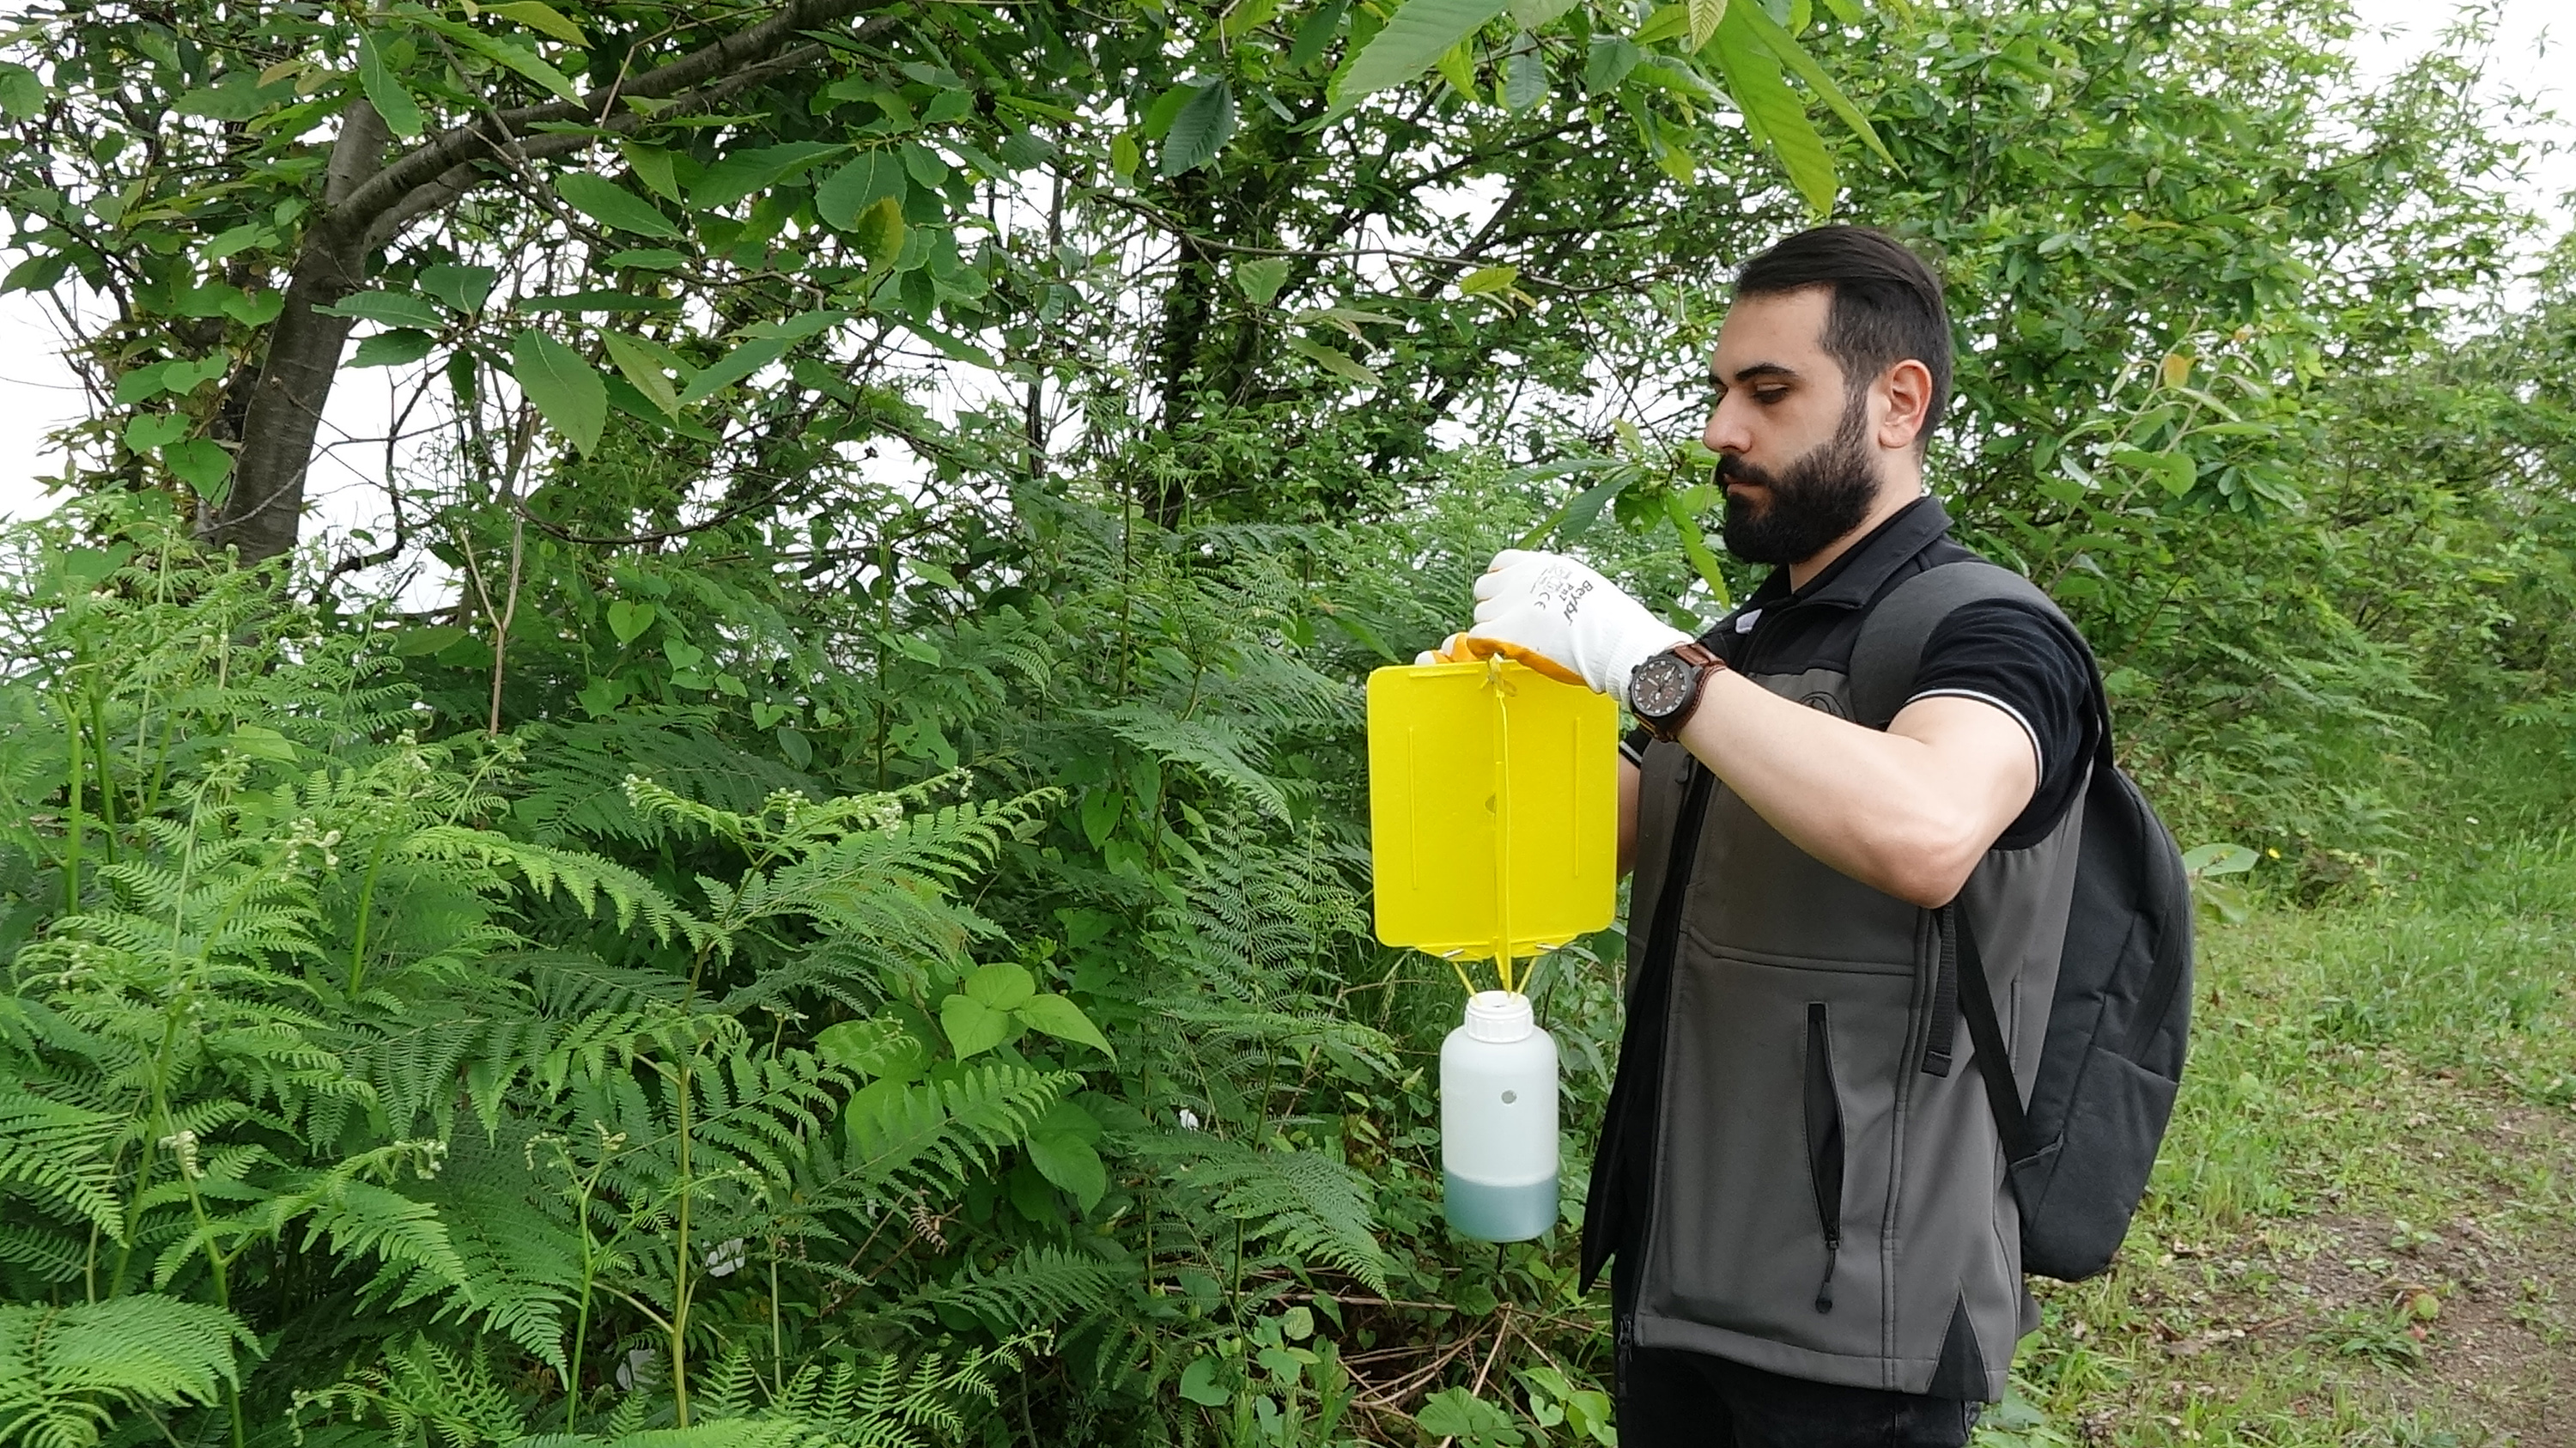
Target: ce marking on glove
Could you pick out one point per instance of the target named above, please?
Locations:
(1562, 585)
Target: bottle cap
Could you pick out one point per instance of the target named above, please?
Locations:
(1499, 1015)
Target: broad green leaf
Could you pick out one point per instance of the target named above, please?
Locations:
(462, 288)
(2207, 860)
(1243, 17)
(1704, 15)
(1061, 1018)
(1457, 1413)
(877, 234)
(1488, 279)
(654, 167)
(1070, 1163)
(1531, 14)
(1335, 361)
(539, 16)
(1773, 112)
(628, 620)
(142, 384)
(1457, 65)
(1124, 155)
(1411, 43)
(200, 462)
(1001, 985)
(1695, 548)
(255, 309)
(922, 164)
(871, 177)
(562, 385)
(1200, 130)
(1785, 48)
(22, 93)
(147, 431)
(1165, 109)
(393, 349)
(1199, 1384)
(1663, 25)
(1524, 78)
(640, 366)
(613, 206)
(1585, 507)
(384, 91)
(1261, 279)
(648, 258)
(1608, 63)
(972, 1026)
(1316, 32)
(733, 367)
(745, 173)
(393, 309)
(508, 52)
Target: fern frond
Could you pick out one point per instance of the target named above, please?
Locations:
(63, 1156)
(1226, 754)
(1306, 1203)
(936, 1135)
(66, 1371)
(1039, 1287)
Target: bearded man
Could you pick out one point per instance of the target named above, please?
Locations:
(1800, 1185)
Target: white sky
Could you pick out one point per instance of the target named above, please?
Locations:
(38, 393)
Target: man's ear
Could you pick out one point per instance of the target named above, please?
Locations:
(1905, 390)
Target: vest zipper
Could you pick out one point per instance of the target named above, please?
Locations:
(1824, 1111)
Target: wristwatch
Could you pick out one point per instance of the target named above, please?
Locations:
(1665, 689)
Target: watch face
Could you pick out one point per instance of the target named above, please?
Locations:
(1660, 685)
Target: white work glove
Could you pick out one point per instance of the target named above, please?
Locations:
(1561, 618)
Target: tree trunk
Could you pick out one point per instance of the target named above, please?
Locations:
(260, 513)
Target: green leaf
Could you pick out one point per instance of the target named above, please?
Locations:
(972, 1026)
(2175, 472)
(540, 16)
(393, 309)
(1773, 113)
(1061, 1018)
(1124, 155)
(564, 387)
(1335, 361)
(1199, 1385)
(877, 234)
(1664, 24)
(629, 620)
(1695, 548)
(1316, 32)
(1585, 508)
(1488, 279)
(1412, 42)
(1786, 49)
(648, 258)
(1262, 279)
(1608, 63)
(733, 367)
(923, 165)
(2221, 859)
(393, 349)
(613, 206)
(1200, 130)
(200, 462)
(1457, 1413)
(401, 113)
(640, 366)
(877, 1048)
(462, 288)
(1071, 1163)
(1704, 15)
(509, 53)
(654, 167)
(22, 93)
(151, 430)
(1524, 78)
(743, 173)
(1002, 985)
(872, 177)
(1531, 14)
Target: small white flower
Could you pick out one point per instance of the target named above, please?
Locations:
(1189, 1119)
(726, 1258)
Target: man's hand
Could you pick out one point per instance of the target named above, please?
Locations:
(1563, 619)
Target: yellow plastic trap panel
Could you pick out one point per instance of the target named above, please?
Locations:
(1493, 808)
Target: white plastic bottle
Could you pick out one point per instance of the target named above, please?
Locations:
(1498, 1121)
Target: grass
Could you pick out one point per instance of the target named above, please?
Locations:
(2365, 1211)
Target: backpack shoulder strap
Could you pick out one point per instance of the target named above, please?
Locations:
(1889, 650)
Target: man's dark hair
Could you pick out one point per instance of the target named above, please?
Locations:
(1887, 304)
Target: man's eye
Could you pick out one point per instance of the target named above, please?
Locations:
(1769, 395)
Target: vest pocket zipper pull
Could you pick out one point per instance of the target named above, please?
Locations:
(1824, 1112)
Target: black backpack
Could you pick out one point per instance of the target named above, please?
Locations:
(2079, 1152)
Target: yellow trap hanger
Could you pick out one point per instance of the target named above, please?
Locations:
(1493, 811)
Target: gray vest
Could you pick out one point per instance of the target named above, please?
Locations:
(1822, 1206)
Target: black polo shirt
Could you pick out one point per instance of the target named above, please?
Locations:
(2003, 652)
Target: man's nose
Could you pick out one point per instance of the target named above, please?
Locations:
(1725, 432)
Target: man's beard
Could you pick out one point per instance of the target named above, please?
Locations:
(1808, 504)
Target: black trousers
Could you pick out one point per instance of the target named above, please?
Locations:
(1668, 1398)
(1674, 1399)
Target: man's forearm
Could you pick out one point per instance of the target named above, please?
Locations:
(1909, 810)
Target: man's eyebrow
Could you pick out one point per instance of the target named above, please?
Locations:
(1758, 369)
